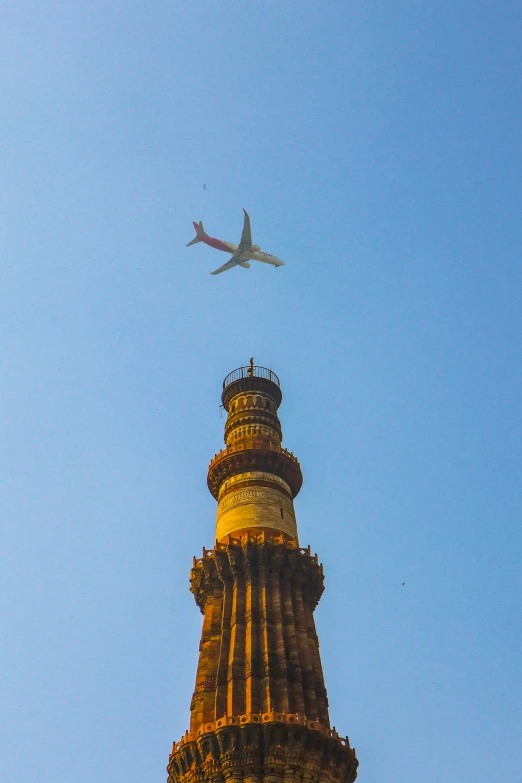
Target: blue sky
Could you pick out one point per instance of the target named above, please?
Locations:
(377, 148)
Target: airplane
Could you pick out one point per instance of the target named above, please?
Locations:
(242, 253)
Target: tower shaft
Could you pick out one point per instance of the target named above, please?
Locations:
(259, 712)
(259, 650)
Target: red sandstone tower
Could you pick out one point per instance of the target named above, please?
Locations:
(259, 713)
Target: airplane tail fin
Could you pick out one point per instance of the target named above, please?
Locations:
(200, 233)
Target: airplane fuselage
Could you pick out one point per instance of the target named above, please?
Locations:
(229, 247)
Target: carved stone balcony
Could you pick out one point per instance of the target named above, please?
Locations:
(254, 455)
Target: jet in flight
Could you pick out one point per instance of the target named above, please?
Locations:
(242, 253)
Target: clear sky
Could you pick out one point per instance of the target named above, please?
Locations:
(377, 148)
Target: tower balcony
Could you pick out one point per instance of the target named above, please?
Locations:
(254, 455)
(251, 371)
(251, 378)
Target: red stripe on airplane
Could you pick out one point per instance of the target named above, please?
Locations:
(216, 243)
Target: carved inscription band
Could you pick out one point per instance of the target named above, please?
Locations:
(255, 495)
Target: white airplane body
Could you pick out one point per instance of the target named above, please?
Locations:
(241, 254)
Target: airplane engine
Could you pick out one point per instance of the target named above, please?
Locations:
(256, 248)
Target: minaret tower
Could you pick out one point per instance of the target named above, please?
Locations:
(259, 713)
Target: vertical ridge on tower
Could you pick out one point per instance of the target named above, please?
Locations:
(259, 713)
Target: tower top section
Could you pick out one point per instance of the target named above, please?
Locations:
(254, 479)
(251, 378)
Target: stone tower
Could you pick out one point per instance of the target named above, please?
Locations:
(259, 713)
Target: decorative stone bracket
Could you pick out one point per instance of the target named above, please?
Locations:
(246, 556)
(264, 748)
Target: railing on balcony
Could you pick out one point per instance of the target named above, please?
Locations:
(249, 444)
(252, 371)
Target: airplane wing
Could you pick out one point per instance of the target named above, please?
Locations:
(234, 261)
(246, 236)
